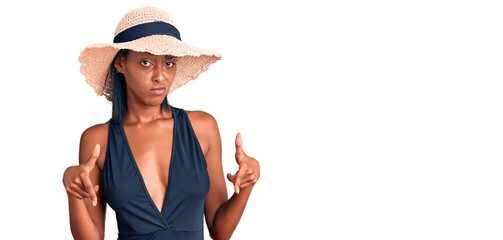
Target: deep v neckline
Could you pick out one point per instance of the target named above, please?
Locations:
(140, 176)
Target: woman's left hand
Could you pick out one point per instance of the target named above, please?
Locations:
(249, 169)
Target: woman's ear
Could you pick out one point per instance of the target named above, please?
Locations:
(119, 63)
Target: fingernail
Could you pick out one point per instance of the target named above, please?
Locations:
(238, 191)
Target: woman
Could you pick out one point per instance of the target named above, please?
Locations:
(158, 166)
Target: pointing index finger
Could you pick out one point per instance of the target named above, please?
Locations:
(239, 176)
(90, 189)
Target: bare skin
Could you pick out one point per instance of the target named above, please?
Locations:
(150, 135)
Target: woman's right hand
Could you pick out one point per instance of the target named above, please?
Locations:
(76, 178)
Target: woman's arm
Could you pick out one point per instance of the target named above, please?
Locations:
(222, 214)
(87, 221)
(228, 215)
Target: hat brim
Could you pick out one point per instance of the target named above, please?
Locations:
(95, 59)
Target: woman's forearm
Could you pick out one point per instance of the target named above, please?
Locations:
(81, 224)
(228, 215)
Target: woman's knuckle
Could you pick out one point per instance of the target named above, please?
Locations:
(83, 174)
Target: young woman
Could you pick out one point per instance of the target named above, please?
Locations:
(158, 166)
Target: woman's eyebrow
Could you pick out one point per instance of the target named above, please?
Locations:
(167, 56)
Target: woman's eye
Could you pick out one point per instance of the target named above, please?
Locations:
(145, 63)
(170, 64)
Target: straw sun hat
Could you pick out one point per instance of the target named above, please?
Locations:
(147, 29)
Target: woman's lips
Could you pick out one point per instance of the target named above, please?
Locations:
(157, 91)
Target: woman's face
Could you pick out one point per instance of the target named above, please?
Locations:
(143, 72)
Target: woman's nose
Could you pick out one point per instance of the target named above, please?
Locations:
(158, 74)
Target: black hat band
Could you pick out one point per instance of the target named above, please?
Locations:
(147, 29)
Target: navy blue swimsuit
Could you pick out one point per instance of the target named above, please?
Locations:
(138, 218)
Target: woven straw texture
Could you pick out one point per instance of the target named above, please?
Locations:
(95, 59)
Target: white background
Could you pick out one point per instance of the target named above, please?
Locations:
(370, 119)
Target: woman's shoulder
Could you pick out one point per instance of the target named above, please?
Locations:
(205, 127)
(97, 133)
(201, 118)
(97, 130)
